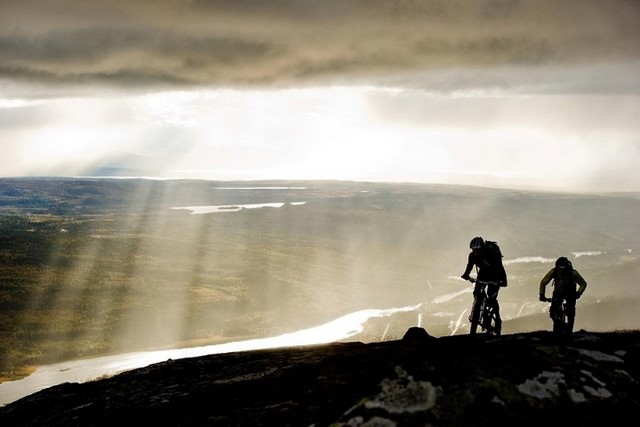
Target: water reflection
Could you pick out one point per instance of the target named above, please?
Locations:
(88, 369)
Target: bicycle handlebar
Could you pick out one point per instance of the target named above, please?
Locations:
(482, 282)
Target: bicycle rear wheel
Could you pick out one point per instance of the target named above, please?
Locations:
(493, 323)
(496, 323)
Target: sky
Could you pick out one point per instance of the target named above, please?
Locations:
(538, 94)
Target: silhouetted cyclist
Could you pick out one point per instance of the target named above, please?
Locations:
(487, 259)
(565, 279)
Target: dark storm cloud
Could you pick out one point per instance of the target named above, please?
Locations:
(128, 56)
(244, 42)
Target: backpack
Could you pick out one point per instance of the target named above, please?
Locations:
(493, 248)
(494, 257)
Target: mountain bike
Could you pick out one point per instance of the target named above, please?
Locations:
(485, 310)
(562, 320)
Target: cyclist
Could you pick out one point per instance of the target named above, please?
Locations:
(565, 279)
(487, 259)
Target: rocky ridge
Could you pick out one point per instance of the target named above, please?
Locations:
(524, 379)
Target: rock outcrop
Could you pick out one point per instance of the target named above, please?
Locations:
(528, 379)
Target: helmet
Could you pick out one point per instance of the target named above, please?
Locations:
(476, 243)
(563, 262)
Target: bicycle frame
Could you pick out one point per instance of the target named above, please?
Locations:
(482, 314)
(562, 323)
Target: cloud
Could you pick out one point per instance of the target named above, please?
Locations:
(347, 89)
(293, 42)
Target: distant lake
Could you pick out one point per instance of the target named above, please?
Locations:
(260, 188)
(198, 210)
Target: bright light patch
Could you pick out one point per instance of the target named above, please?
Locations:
(352, 133)
(168, 108)
(88, 369)
(19, 103)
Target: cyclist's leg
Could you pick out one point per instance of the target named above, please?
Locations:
(498, 319)
(556, 302)
(492, 301)
(474, 318)
(570, 312)
(475, 306)
(476, 309)
(492, 293)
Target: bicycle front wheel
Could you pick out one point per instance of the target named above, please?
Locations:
(559, 320)
(476, 312)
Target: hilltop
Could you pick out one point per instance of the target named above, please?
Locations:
(523, 379)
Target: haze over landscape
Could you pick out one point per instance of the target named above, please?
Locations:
(104, 267)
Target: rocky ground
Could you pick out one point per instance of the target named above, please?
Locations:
(526, 379)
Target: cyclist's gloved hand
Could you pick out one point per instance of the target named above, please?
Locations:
(578, 295)
(542, 298)
(465, 276)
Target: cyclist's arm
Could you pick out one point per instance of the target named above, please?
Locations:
(470, 264)
(545, 281)
(582, 284)
(503, 276)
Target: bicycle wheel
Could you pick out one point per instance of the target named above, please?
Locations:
(569, 326)
(496, 322)
(558, 317)
(493, 323)
(476, 312)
